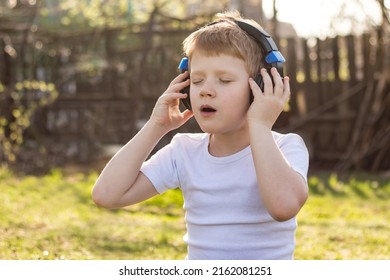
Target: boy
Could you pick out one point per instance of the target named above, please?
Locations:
(242, 183)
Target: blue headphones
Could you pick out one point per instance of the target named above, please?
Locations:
(271, 54)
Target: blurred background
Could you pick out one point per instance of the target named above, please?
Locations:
(79, 78)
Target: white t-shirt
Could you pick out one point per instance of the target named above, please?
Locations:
(225, 216)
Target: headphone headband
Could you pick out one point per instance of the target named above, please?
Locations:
(272, 55)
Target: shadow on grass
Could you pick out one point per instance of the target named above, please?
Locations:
(161, 241)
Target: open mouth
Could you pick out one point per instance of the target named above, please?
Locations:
(207, 109)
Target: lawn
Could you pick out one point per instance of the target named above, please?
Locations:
(53, 217)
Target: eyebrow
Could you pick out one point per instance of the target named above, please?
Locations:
(218, 72)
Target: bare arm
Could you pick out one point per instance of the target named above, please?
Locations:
(283, 190)
(121, 183)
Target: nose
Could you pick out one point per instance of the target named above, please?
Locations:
(207, 90)
(207, 93)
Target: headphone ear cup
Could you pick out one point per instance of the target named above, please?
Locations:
(259, 81)
(186, 102)
(183, 66)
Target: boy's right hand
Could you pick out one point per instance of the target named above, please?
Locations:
(166, 113)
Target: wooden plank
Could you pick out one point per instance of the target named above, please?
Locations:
(291, 70)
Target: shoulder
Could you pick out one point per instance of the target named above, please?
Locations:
(187, 145)
(290, 143)
(287, 139)
(190, 139)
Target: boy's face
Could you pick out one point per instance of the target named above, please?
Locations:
(219, 92)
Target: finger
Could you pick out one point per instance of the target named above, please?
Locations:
(187, 114)
(176, 95)
(172, 98)
(286, 89)
(278, 82)
(256, 90)
(178, 86)
(268, 87)
(179, 78)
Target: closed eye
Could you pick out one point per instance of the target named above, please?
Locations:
(195, 82)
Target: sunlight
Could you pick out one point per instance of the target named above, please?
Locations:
(326, 17)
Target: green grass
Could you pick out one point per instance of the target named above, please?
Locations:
(345, 218)
(53, 217)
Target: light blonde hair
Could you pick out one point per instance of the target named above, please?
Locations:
(226, 37)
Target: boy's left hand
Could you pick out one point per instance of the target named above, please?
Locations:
(267, 106)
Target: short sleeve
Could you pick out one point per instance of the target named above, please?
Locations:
(295, 152)
(161, 169)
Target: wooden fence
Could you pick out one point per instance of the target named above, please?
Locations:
(341, 104)
(109, 81)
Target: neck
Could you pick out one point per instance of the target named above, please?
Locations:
(221, 145)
